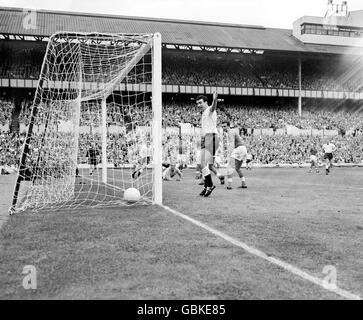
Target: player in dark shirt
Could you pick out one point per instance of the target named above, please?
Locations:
(92, 155)
(313, 160)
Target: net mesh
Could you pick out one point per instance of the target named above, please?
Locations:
(92, 110)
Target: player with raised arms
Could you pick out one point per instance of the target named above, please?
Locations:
(238, 155)
(209, 140)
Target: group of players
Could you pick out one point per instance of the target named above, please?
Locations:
(237, 151)
(209, 145)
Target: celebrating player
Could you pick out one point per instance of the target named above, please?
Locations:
(328, 148)
(238, 155)
(209, 141)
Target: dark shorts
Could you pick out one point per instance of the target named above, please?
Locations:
(238, 163)
(328, 156)
(248, 160)
(210, 142)
(93, 161)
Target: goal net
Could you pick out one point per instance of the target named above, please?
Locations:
(95, 128)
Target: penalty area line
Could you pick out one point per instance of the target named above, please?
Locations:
(284, 265)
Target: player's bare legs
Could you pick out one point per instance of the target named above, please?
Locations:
(231, 168)
(313, 165)
(238, 168)
(213, 169)
(229, 178)
(328, 164)
(198, 174)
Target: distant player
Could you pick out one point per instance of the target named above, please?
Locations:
(237, 156)
(144, 161)
(328, 148)
(92, 155)
(209, 140)
(249, 159)
(171, 171)
(182, 161)
(313, 160)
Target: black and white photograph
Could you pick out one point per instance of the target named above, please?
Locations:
(181, 155)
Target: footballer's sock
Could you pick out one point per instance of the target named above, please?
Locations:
(243, 181)
(208, 180)
(205, 173)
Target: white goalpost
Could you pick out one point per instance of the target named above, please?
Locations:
(96, 126)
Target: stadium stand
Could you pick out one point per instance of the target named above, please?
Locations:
(199, 55)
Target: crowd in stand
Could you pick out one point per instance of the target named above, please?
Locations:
(265, 117)
(200, 69)
(22, 63)
(10, 150)
(296, 149)
(274, 150)
(196, 68)
(6, 109)
(243, 116)
(268, 149)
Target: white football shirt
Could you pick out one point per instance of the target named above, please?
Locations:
(329, 148)
(209, 121)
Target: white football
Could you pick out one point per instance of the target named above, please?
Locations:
(132, 195)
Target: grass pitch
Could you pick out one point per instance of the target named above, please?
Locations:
(145, 252)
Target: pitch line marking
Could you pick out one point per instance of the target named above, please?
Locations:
(284, 265)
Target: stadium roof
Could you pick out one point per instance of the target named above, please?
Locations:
(174, 32)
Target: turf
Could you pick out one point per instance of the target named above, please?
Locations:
(145, 252)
